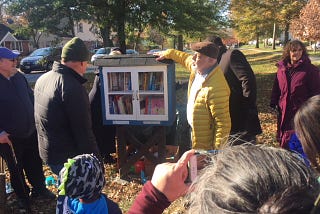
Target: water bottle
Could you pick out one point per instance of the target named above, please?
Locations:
(50, 181)
(143, 177)
(9, 188)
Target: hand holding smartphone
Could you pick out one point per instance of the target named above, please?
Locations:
(198, 161)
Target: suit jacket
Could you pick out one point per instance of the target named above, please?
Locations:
(242, 103)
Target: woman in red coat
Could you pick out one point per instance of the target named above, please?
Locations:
(296, 81)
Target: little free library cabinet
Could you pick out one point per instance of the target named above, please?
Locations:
(138, 90)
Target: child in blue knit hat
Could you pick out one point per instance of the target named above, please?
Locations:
(82, 181)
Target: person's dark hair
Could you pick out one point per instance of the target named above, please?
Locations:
(307, 126)
(242, 179)
(286, 202)
(290, 46)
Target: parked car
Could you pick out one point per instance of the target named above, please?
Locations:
(93, 51)
(131, 51)
(152, 51)
(316, 45)
(100, 53)
(40, 60)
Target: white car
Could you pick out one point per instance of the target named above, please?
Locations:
(101, 52)
(315, 45)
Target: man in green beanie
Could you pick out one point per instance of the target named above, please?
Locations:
(62, 109)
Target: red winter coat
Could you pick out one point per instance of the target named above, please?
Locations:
(293, 85)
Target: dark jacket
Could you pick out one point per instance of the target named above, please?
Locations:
(104, 134)
(62, 115)
(16, 101)
(242, 103)
(149, 200)
(292, 86)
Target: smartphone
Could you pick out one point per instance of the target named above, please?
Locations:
(198, 161)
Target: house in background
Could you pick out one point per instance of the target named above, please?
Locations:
(88, 33)
(8, 40)
(82, 29)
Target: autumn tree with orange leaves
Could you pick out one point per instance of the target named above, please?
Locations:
(307, 26)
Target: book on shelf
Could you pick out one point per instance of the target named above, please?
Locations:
(145, 81)
(127, 81)
(148, 105)
(151, 81)
(141, 81)
(115, 82)
(113, 105)
(128, 104)
(142, 105)
(157, 106)
(120, 104)
(152, 105)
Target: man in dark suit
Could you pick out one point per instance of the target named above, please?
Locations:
(245, 123)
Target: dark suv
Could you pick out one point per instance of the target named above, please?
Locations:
(40, 60)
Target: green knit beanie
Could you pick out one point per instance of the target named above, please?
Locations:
(75, 50)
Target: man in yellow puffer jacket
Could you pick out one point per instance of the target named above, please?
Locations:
(208, 95)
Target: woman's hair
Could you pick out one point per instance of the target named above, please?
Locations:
(286, 202)
(292, 45)
(244, 178)
(307, 127)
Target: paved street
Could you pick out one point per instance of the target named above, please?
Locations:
(34, 75)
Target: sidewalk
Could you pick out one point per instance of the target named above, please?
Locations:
(315, 59)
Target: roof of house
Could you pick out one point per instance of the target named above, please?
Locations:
(4, 30)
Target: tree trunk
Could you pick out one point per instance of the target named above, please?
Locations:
(105, 34)
(180, 42)
(274, 37)
(286, 34)
(121, 25)
(257, 39)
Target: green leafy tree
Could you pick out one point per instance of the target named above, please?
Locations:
(196, 19)
(46, 16)
(256, 18)
(32, 11)
(251, 19)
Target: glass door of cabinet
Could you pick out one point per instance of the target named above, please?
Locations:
(119, 96)
(136, 93)
(152, 94)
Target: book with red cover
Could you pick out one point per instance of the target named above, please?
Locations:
(157, 106)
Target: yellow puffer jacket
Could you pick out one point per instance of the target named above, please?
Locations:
(211, 118)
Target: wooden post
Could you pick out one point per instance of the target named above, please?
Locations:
(158, 139)
(3, 196)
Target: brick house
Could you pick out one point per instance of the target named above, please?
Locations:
(8, 40)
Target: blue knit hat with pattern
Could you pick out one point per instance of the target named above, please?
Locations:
(82, 177)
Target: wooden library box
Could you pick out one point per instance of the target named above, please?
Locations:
(137, 90)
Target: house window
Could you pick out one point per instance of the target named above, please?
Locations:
(80, 28)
